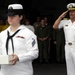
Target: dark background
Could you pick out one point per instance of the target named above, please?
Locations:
(32, 8)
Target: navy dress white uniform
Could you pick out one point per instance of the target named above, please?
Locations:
(24, 46)
(69, 30)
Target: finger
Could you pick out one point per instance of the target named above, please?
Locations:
(13, 61)
(66, 10)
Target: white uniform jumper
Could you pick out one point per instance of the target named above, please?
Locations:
(69, 30)
(24, 43)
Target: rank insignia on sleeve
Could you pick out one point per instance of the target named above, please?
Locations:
(33, 42)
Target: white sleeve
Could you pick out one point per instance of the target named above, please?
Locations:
(33, 29)
(0, 45)
(32, 48)
(61, 24)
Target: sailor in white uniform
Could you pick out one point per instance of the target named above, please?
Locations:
(69, 30)
(18, 41)
(27, 24)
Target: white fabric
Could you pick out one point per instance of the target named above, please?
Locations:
(30, 27)
(1, 73)
(70, 59)
(24, 48)
(15, 6)
(69, 30)
(71, 5)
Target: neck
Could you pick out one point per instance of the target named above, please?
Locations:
(14, 28)
(72, 20)
(43, 25)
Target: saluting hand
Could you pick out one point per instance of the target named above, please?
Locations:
(14, 59)
(63, 14)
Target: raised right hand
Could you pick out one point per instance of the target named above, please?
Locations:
(63, 14)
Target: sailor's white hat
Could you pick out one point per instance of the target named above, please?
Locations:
(71, 6)
(14, 9)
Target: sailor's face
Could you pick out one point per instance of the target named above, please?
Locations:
(72, 14)
(13, 20)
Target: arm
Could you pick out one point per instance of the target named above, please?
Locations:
(32, 49)
(0, 45)
(57, 22)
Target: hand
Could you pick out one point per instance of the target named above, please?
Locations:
(45, 38)
(63, 14)
(14, 59)
(40, 39)
(55, 42)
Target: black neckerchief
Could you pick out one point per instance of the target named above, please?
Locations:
(8, 38)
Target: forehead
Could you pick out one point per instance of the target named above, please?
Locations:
(42, 20)
(72, 11)
(15, 16)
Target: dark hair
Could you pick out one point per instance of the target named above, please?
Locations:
(23, 19)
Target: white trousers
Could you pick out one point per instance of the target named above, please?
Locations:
(70, 59)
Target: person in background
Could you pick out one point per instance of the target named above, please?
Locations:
(27, 24)
(59, 41)
(19, 42)
(43, 34)
(37, 23)
(1, 25)
(47, 23)
(69, 30)
(5, 26)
